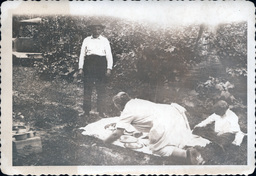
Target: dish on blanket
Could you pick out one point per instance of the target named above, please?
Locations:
(111, 127)
(128, 139)
(133, 145)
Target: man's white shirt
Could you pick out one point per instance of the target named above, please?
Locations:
(96, 46)
(226, 124)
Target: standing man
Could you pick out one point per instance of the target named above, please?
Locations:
(96, 62)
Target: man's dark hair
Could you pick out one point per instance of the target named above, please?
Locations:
(220, 107)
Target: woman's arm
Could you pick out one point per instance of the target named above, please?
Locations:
(114, 136)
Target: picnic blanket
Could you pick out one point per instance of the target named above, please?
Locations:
(103, 128)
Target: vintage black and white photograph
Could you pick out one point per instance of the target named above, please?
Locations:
(125, 84)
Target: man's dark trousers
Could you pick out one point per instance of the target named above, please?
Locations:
(208, 132)
(94, 69)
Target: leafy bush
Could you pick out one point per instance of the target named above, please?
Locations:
(148, 59)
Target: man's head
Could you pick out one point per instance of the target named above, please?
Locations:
(96, 29)
(220, 107)
(120, 100)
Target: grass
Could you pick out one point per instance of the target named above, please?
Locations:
(52, 108)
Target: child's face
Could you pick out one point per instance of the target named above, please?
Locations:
(220, 111)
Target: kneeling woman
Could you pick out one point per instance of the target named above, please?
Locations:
(166, 125)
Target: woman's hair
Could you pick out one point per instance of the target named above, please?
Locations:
(121, 99)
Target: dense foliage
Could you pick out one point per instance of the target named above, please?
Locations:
(148, 59)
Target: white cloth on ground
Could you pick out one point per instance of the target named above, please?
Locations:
(97, 129)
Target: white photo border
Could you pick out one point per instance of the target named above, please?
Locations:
(65, 7)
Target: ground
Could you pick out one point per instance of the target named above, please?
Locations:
(53, 108)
